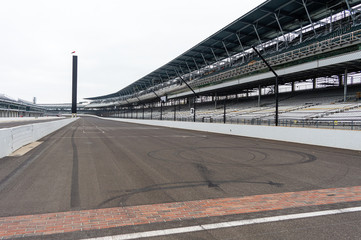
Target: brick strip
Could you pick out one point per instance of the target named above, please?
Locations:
(53, 223)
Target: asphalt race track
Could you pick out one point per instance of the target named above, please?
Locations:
(95, 164)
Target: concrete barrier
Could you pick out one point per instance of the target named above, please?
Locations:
(5, 142)
(24, 119)
(16, 137)
(344, 139)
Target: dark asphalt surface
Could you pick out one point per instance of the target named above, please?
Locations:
(94, 163)
(25, 122)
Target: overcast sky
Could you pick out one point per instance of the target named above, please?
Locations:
(117, 41)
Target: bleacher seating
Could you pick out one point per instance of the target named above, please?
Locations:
(305, 105)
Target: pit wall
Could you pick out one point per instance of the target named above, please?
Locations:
(14, 138)
(24, 119)
(344, 139)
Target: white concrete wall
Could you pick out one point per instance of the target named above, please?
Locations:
(12, 139)
(24, 119)
(345, 139)
(6, 142)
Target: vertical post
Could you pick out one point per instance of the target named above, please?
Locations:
(215, 101)
(194, 108)
(143, 111)
(276, 98)
(345, 86)
(259, 95)
(309, 17)
(224, 111)
(74, 86)
(175, 110)
(314, 83)
(276, 83)
(161, 110)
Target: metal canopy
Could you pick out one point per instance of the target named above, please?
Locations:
(268, 21)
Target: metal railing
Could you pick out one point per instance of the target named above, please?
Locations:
(309, 50)
(293, 55)
(327, 124)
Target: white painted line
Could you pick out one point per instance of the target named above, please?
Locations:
(99, 129)
(238, 223)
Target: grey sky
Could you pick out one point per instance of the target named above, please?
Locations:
(117, 42)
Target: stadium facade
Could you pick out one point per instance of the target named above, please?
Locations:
(10, 107)
(308, 43)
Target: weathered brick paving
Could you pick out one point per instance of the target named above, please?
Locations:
(51, 223)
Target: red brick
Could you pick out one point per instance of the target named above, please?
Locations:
(43, 224)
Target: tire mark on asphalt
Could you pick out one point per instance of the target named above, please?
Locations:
(74, 194)
(305, 157)
(205, 173)
(112, 147)
(179, 185)
(34, 155)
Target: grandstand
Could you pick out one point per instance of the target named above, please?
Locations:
(62, 108)
(10, 107)
(314, 46)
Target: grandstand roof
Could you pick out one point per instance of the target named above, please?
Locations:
(260, 25)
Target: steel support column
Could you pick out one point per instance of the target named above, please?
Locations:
(194, 108)
(215, 100)
(143, 111)
(204, 59)
(175, 110)
(276, 83)
(224, 45)
(351, 11)
(181, 70)
(224, 110)
(345, 86)
(190, 72)
(240, 43)
(196, 64)
(168, 75)
(161, 110)
(259, 39)
(279, 25)
(314, 81)
(309, 17)
(214, 54)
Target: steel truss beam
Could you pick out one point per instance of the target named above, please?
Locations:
(309, 17)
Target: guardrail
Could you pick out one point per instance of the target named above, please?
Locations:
(14, 138)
